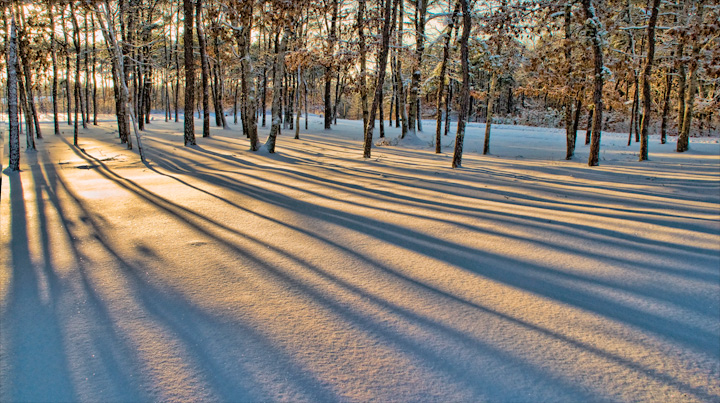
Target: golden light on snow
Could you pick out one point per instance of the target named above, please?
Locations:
(214, 273)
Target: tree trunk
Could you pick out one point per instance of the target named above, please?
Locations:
(117, 53)
(389, 22)
(441, 78)
(633, 109)
(414, 90)
(448, 102)
(398, 71)
(465, 90)
(297, 104)
(23, 52)
(189, 135)
(277, 83)
(205, 68)
(490, 105)
(683, 143)
(12, 92)
(646, 80)
(666, 107)
(328, 69)
(594, 29)
(78, 100)
(363, 62)
(53, 55)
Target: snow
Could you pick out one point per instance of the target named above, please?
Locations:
(217, 274)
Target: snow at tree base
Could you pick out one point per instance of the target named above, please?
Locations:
(215, 273)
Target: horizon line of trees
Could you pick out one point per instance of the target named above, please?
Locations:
(652, 63)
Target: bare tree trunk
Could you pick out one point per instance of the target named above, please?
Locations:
(465, 90)
(53, 54)
(297, 104)
(78, 101)
(448, 102)
(593, 30)
(363, 62)
(277, 83)
(492, 95)
(117, 53)
(389, 22)
(570, 131)
(666, 107)
(205, 68)
(398, 72)
(683, 143)
(414, 90)
(12, 92)
(189, 136)
(94, 76)
(646, 80)
(332, 38)
(177, 65)
(441, 78)
(23, 53)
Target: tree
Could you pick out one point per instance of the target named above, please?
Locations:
(441, 77)
(465, 90)
(189, 136)
(646, 79)
(205, 68)
(594, 33)
(389, 22)
(414, 90)
(12, 91)
(683, 142)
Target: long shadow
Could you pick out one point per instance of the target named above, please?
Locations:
(437, 292)
(36, 352)
(534, 278)
(196, 329)
(508, 219)
(130, 184)
(518, 198)
(404, 342)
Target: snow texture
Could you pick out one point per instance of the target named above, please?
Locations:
(217, 274)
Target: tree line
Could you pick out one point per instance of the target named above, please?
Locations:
(639, 65)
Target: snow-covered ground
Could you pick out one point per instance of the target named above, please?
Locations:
(216, 274)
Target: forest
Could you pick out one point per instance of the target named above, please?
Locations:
(352, 201)
(626, 65)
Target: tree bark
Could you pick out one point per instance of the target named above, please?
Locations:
(593, 30)
(389, 22)
(189, 135)
(205, 68)
(666, 107)
(441, 78)
(398, 73)
(414, 113)
(332, 38)
(465, 90)
(277, 83)
(12, 92)
(683, 143)
(53, 55)
(646, 80)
